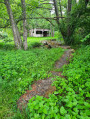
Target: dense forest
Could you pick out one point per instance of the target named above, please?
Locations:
(45, 77)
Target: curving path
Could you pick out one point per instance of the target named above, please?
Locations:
(43, 87)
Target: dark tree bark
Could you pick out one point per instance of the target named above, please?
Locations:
(57, 20)
(86, 2)
(56, 12)
(68, 20)
(24, 24)
(69, 6)
(60, 7)
(17, 38)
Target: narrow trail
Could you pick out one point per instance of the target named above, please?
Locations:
(43, 87)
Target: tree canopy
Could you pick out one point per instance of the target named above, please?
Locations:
(67, 16)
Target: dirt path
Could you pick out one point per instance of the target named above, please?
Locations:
(43, 87)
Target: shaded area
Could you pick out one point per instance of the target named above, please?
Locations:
(45, 33)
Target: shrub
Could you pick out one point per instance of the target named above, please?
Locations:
(3, 35)
(86, 40)
(36, 44)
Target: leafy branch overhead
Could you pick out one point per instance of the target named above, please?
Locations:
(64, 15)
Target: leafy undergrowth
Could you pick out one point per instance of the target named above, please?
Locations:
(18, 70)
(71, 100)
(36, 42)
(31, 41)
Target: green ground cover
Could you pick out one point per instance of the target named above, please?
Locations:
(32, 41)
(18, 70)
(71, 100)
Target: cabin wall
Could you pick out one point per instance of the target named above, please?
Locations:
(34, 34)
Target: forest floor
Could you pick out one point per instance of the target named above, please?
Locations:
(60, 84)
(44, 87)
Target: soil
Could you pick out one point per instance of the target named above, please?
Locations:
(43, 87)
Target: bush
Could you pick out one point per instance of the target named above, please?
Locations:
(3, 35)
(6, 40)
(35, 44)
(86, 40)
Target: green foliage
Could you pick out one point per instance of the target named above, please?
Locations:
(36, 44)
(18, 69)
(86, 40)
(43, 108)
(71, 100)
(35, 41)
(4, 37)
(78, 82)
(7, 40)
(58, 35)
(16, 64)
(78, 24)
(82, 22)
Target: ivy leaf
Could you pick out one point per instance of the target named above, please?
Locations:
(70, 104)
(87, 104)
(43, 116)
(45, 111)
(62, 110)
(67, 116)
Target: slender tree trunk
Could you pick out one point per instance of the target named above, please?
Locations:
(24, 24)
(69, 6)
(60, 7)
(52, 31)
(86, 2)
(56, 11)
(68, 20)
(57, 19)
(17, 38)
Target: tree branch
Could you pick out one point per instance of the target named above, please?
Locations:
(47, 18)
(44, 8)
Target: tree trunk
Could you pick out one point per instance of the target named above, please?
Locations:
(60, 7)
(52, 31)
(57, 19)
(86, 2)
(24, 24)
(68, 20)
(17, 38)
(69, 6)
(56, 11)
